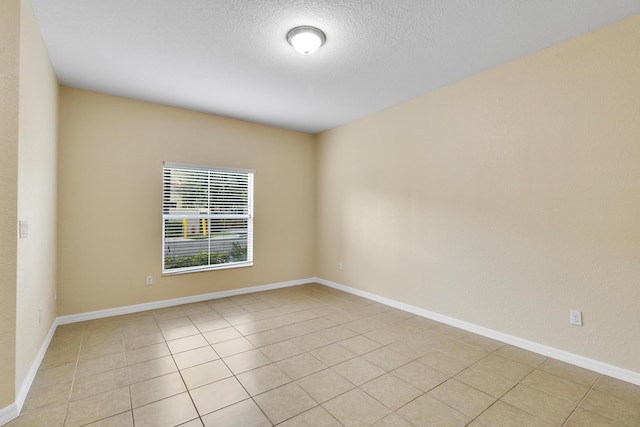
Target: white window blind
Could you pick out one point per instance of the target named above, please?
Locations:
(207, 218)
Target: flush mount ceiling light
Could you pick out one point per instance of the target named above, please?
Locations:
(306, 40)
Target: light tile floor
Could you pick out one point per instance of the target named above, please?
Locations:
(307, 356)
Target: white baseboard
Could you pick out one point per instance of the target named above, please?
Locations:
(99, 314)
(565, 356)
(31, 375)
(7, 414)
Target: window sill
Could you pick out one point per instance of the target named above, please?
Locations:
(201, 269)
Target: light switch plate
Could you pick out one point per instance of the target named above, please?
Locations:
(24, 229)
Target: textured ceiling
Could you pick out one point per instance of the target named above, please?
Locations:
(231, 57)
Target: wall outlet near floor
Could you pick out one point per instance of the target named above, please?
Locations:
(340, 265)
(149, 280)
(575, 317)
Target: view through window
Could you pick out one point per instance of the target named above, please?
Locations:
(207, 218)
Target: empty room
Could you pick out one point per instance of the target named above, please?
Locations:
(319, 213)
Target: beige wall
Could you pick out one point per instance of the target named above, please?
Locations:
(9, 101)
(503, 200)
(37, 184)
(109, 207)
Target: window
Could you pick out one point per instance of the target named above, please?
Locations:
(207, 218)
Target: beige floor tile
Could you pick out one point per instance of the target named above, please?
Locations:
(300, 366)
(121, 420)
(50, 416)
(332, 354)
(434, 339)
(504, 415)
(337, 333)
(392, 420)
(217, 395)
(98, 407)
(282, 344)
(59, 355)
(356, 408)
(177, 322)
(234, 346)
(221, 335)
(387, 359)
(193, 423)
(244, 413)
(411, 347)
(196, 308)
(463, 398)
(100, 364)
(195, 357)
(540, 404)
(570, 372)
(187, 343)
(443, 362)
(311, 341)
(420, 375)
(62, 374)
(239, 363)
(385, 336)
(143, 354)
(211, 324)
(391, 391)
(556, 386)
(467, 353)
(364, 325)
(46, 396)
(206, 373)
(151, 369)
(91, 339)
(281, 350)
(144, 340)
(99, 350)
(519, 355)
(480, 341)
(360, 345)
(204, 316)
(141, 329)
(504, 367)
(582, 417)
(489, 382)
(99, 383)
(621, 389)
(450, 331)
(180, 332)
(325, 385)
(317, 417)
(156, 389)
(168, 313)
(426, 410)
(169, 412)
(284, 402)
(359, 370)
(612, 407)
(263, 379)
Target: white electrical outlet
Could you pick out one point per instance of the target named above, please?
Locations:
(575, 317)
(149, 280)
(340, 265)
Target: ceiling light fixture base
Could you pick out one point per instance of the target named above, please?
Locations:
(306, 39)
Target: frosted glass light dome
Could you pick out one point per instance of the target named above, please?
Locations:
(306, 40)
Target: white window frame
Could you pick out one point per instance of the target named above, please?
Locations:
(167, 215)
